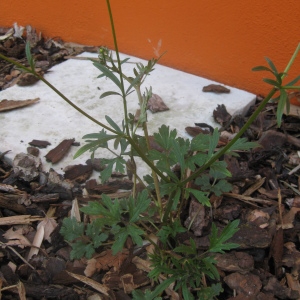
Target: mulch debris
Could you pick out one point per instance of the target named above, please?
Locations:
(35, 259)
(46, 54)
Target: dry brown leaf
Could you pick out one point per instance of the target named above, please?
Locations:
(49, 225)
(142, 264)
(51, 212)
(288, 218)
(21, 290)
(196, 220)
(105, 261)
(259, 218)
(92, 283)
(293, 282)
(12, 266)
(16, 238)
(37, 242)
(75, 213)
(6, 105)
(128, 283)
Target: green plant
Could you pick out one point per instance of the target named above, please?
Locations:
(157, 209)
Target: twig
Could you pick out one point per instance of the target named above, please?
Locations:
(16, 252)
(294, 170)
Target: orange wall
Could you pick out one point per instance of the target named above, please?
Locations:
(221, 40)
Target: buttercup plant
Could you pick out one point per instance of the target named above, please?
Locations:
(156, 210)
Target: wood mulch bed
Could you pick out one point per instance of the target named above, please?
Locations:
(35, 259)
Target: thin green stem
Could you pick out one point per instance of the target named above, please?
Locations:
(290, 87)
(291, 61)
(154, 174)
(168, 208)
(155, 171)
(130, 140)
(233, 141)
(59, 93)
(119, 66)
(245, 127)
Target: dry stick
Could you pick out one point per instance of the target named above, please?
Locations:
(279, 207)
(16, 252)
(249, 200)
(294, 170)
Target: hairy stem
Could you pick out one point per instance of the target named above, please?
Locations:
(112, 24)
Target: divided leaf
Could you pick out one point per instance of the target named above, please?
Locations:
(71, 229)
(217, 241)
(165, 137)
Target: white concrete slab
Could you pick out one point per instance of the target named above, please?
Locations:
(53, 120)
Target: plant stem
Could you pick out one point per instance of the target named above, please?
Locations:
(154, 174)
(291, 61)
(290, 87)
(119, 66)
(128, 137)
(168, 208)
(245, 127)
(232, 142)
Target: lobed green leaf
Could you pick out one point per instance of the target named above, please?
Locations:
(217, 242)
(200, 196)
(71, 229)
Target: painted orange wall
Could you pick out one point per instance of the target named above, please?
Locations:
(220, 40)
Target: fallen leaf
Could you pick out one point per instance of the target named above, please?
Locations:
(21, 291)
(37, 242)
(16, 238)
(49, 225)
(75, 213)
(105, 261)
(7, 34)
(6, 105)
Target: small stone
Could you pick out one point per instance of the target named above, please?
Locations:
(27, 166)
